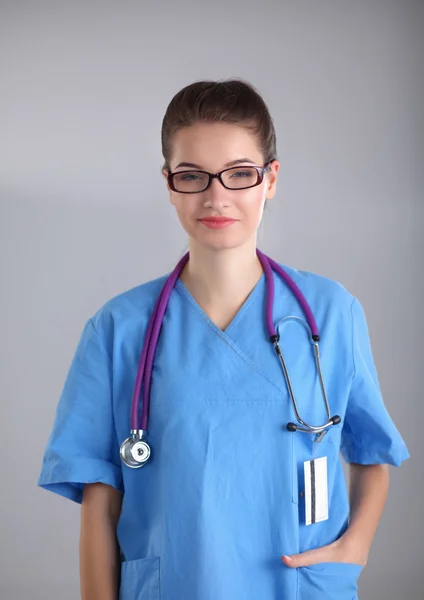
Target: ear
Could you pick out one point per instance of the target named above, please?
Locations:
(271, 179)
(165, 174)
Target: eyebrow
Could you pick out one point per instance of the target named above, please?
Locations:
(228, 164)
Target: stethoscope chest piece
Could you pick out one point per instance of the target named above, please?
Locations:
(135, 452)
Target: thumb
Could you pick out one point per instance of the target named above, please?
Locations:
(304, 559)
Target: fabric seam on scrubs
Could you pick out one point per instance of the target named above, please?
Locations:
(358, 446)
(353, 339)
(225, 338)
(69, 487)
(101, 341)
(111, 366)
(104, 350)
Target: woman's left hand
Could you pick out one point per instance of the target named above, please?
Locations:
(343, 550)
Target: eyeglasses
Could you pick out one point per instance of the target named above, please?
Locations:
(235, 178)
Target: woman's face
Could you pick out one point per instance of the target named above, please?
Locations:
(211, 146)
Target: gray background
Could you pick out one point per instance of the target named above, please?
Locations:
(85, 213)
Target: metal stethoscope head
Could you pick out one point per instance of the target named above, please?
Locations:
(135, 451)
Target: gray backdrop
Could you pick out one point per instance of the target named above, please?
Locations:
(85, 213)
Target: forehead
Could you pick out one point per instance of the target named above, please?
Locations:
(211, 145)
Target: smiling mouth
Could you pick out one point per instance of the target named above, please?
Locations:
(218, 220)
(217, 223)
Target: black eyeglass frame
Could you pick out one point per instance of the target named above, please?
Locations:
(260, 171)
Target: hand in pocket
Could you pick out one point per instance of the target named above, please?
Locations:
(340, 551)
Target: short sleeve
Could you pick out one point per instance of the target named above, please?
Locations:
(369, 435)
(82, 447)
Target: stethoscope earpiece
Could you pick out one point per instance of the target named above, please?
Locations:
(333, 421)
(312, 331)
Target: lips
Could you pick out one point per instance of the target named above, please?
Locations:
(217, 220)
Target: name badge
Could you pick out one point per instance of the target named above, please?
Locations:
(316, 490)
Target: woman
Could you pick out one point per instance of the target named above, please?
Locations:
(222, 509)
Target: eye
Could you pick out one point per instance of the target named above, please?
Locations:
(189, 177)
(241, 174)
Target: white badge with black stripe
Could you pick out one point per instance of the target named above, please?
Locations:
(316, 490)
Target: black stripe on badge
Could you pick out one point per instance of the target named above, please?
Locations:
(313, 494)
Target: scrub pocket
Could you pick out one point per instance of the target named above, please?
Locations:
(140, 579)
(331, 580)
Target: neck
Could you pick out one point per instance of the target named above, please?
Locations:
(221, 276)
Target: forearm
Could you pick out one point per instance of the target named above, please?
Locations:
(99, 551)
(368, 488)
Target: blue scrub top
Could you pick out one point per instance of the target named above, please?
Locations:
(221, 498)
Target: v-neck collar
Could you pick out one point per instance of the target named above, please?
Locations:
(255, 291)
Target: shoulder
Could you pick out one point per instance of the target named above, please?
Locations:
(319, 290)
(132, 307)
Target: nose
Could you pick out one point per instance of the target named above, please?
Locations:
(216, 193)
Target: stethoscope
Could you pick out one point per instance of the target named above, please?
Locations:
(135, 451)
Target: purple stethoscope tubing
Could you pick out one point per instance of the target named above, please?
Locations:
(145, 366)
(149, 348)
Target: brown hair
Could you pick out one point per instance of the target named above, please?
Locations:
(226, 101)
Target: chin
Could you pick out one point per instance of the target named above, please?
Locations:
(219, 244)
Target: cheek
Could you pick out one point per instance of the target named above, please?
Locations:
(187, 208)
(252, 205)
